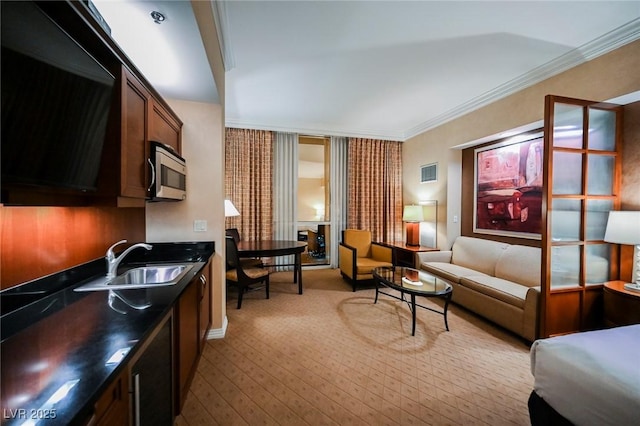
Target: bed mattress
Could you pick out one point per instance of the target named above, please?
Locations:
(591, 378)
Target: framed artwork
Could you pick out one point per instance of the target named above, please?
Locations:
(508, 187)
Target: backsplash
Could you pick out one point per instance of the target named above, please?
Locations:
(38, 241)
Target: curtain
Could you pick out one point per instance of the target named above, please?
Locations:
(285, 191)
(375, 187)
(339, 187)
(249, 181)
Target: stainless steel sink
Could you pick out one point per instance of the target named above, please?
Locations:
(141, 277)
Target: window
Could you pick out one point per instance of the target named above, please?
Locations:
(313, 197)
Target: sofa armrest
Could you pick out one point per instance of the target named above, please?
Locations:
(347, 260)
(433, 256)
(381, 253)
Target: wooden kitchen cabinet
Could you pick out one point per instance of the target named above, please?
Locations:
(187, 339)
(193, 316)
(205, 305)
(123, 178)
(164, 127)
(112, 408)
(142, 118)
(134, 148)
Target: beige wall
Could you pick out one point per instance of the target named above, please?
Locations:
(203, 149)
(605, 77)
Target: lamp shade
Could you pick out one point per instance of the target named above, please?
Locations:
(623, 227)
(412, 214)
(230, 209)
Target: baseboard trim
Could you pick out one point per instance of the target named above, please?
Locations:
(218, 333)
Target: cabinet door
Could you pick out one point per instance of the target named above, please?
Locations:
(205, 305)
(164, 127)
(112, 408)
(151, 379)
(188, 339)
(134, 148)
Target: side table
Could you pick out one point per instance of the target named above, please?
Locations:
(621, 306)
(404, 255)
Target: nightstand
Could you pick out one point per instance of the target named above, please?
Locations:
(621, 306)
(404, 255)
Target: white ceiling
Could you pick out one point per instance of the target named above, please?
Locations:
(384, 69)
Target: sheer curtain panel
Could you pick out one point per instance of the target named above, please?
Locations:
(339, 188)
(285, 191)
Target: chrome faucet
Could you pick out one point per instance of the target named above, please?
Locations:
(113, 261)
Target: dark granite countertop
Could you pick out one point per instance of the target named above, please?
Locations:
(60, 346)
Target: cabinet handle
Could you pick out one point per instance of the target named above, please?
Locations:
(203, 281)
(153, 174)
(136, 399)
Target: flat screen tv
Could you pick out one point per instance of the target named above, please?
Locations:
(56, 100)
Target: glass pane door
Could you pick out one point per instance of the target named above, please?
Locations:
(313, 199)
(581, 184)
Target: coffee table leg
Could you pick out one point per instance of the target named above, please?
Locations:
(446, 306)
(413, 314)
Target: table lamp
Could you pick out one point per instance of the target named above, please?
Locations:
(413, 216)
(230, 209)
(623, 227)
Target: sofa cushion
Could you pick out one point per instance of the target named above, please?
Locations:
(448, 271)
(507, 291)
(478, 254)
(520, 264)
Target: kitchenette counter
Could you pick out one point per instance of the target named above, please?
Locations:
(59, 353)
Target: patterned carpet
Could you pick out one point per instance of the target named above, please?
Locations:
(332, 357)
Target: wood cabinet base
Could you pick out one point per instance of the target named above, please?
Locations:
(621, 306)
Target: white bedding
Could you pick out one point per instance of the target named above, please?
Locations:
(591, 378)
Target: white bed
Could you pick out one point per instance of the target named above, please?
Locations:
(590, 378)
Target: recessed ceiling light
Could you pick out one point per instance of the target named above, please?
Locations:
(157, 17)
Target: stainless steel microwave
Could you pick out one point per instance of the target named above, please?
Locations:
(168, 174)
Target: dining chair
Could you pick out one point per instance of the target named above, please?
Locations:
(249, 262)
(242, 276)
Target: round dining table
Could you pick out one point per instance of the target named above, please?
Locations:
(274, 248)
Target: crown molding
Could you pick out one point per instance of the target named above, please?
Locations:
(597, 47)
(221, 21)
(314, 129)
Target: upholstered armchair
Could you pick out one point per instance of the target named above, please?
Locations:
(359, 256)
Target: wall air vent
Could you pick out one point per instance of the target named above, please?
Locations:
(429, 173)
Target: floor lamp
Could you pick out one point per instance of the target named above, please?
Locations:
(623, 227)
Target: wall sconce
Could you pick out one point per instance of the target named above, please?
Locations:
(413, 216)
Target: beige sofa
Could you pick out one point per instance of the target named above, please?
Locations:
(499, 281)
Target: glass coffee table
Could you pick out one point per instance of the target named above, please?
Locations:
(414, 283)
